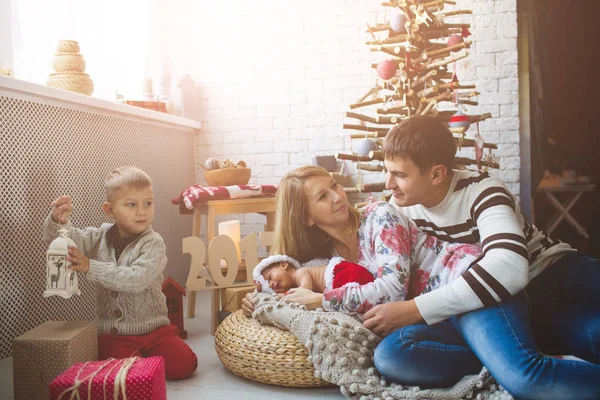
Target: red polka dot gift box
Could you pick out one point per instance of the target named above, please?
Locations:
(129, 378)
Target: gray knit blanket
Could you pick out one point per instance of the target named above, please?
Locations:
(341, 351)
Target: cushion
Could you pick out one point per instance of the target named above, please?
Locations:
(264, 353)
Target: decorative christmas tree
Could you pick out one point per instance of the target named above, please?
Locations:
(416, 76)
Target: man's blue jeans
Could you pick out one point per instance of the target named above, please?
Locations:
(558, 313)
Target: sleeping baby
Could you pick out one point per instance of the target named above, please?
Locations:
(280, 273)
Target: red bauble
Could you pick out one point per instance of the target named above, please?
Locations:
(455, 39)
(387, 69)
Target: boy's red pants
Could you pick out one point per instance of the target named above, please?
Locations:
(180, 360)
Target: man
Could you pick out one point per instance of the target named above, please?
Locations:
(487, 305)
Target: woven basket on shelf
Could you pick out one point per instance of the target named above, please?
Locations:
(68, 62)
(72, 81)
(228, 176)
(67, 46)
(264, 353)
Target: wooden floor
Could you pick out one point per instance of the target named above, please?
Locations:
(211, 380)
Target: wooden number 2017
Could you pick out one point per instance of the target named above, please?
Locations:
(221, 248)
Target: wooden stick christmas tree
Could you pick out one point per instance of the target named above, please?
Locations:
(416, 75)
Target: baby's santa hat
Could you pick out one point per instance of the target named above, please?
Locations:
(267, 262)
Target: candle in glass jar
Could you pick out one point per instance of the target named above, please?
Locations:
(232, 229)
(148, 89)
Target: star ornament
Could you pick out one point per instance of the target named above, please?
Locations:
(438, 19)
(422, 17)
(490, 158)
(466, 65)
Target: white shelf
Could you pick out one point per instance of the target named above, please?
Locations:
(51, 95)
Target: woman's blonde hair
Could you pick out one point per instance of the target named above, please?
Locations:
(293, 236)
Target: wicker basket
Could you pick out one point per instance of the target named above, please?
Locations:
(72, 81)
(228, 176)
(264, 353)
(68, 62)
(67, 46)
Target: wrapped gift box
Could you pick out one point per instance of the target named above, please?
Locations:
(41, 354)
(231, 298)
(241, 274)
(144, 379)
(150, 105)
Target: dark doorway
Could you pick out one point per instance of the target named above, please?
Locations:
(567, 35)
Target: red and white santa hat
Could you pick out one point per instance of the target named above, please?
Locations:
(276, 258)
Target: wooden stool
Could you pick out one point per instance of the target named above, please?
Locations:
(212, 208)
(574, 192)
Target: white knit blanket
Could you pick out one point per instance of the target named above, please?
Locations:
(341, 350)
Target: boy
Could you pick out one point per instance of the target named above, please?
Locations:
(126, 260)
(486, 303)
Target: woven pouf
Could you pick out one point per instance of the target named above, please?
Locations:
(264, 353)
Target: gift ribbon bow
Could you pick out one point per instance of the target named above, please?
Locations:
(120, 379)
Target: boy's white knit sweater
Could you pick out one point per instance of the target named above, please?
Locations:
(129, 297)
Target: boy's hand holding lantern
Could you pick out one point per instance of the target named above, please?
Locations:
(62, 209)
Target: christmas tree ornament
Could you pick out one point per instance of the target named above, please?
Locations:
(360, 183)
(459, 120)
(454, 40)
(365, 146)
(61, 280)
(422, 17)
(397, 22)
(490, 159)
(386, 69)
(461, 140)
(211, 163)
(466, 65)
(465, 31)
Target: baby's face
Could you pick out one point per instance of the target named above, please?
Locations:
(280, 277)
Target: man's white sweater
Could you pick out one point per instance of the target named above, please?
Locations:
(478, 209)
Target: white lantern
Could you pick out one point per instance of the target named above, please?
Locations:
(60, 279)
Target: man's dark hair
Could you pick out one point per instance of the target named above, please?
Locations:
(425, 140)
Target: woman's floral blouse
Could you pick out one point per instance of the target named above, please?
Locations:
(404, 262)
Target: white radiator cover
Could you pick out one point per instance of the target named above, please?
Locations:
(54, 143)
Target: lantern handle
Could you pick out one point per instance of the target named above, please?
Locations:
(63, 231)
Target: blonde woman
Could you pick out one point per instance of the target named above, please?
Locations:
(314, 220)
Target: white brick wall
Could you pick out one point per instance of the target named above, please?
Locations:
(296, 71)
